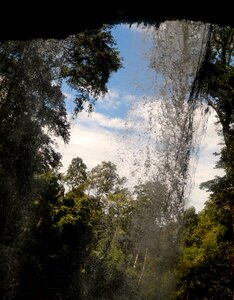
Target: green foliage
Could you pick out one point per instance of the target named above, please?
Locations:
(32, 115)
(214, 84)
(76, 174)
(105, 275)
(31, 111)
(90, 58)
(206, 270)
(205, 267)
(104, 179)
(33, 105)
(29, 103)
(61, 240)
(77, 248)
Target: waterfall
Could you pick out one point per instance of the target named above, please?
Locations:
(164, 131)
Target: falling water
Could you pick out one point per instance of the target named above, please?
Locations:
(165, 130)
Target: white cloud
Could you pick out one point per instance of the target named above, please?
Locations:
(111, 100)
(96, 120)
(92, 145)
(93, 138)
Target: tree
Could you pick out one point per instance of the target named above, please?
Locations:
(104, 179)
(29, 105)
(30, 101)
(106, 275)
(214, 84)
(59, 243)
(205, 269)
(33, 114)
(76, 174)
(90, 58)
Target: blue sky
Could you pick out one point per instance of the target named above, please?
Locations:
(108, 133)
(133, 78)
